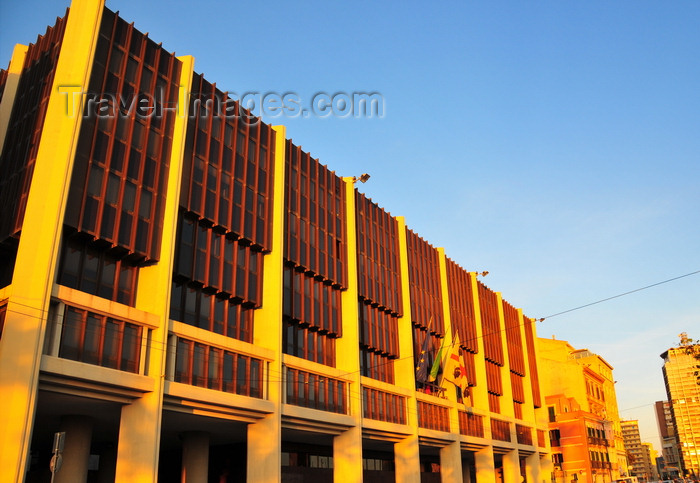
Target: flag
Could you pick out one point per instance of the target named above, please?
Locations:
(423, 358)
(438, 361)
(455, 371)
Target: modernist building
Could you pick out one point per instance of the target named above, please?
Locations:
(584, 425)
(186, 292)
(681, 371)
(640, 462)
(669, 442)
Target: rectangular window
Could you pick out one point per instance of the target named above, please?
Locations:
(315, 391)
(205, 366)
(383, 406)
(95, 339)
(432, 416)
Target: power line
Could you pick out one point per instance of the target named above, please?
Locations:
(620, 295)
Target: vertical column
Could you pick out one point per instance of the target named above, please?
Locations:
(347, 447)
(450, 455)
(28, 304)
(195, 457)
(532, 468)
(76, 450)
(485, 468)
(140, 425)
(451, 463)
(264, 462)
(407, 459)
(14, 72)
(511, 466)
(407, 451)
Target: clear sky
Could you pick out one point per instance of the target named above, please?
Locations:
(555, 144)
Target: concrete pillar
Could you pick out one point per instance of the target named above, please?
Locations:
(546, 468)
(264, 450)
(76, 450)
(195, 457)
(451, 463)
(347, 456)
(32, 281)
(532, 468)
(347, 446)
(140, 424)
(407, 460)
(264, 455)
(511, 467)
(485, 468)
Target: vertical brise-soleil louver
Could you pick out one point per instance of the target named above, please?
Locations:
(462, 315)
(25, 126)
(379, 279)
(224, 220)
(120, 176)
(315, 243)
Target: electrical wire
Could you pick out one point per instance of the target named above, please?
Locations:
(278, 377)
(619, 295)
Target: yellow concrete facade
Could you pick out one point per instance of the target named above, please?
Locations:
(148, 424)
(583, 415)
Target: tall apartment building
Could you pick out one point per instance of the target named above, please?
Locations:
(639, 457)
(652, 456)
(584, 424)
(669, 442)
(681, 371)
(184, 292)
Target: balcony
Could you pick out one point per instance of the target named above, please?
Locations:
(593, 441)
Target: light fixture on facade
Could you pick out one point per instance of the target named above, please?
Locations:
(362, 178)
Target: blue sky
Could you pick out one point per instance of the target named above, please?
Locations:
(555, 144)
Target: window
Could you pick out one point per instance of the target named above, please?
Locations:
(85, 268)
(315, 391)
(383, 406)
(97, 339)
(432, 416)
(213, 368)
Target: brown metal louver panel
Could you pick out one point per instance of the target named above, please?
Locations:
(379, 288)
(315, 224)
(424, 279)
(469, 364)
(516, 383)
(378, 331)
(462, 306)
(227, 174)
(514, 341)
(218, 264)
(379, 275)
(315, 257)
(25, 126)
(490, 326)
(120, 176)
(494, 383)
(532, 361)
(311, 304)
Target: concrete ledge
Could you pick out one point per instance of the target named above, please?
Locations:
(88, 380)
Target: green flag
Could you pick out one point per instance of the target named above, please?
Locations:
(437, 362)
